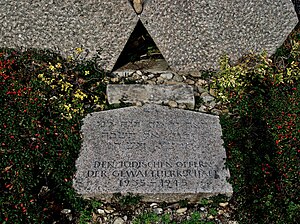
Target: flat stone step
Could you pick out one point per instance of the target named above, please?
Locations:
(158, 94)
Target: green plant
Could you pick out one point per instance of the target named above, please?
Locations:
(95, 204)
(40, 138)
(183, 203)
(255, 73)
(198, 101)
(262, 136)
(127, 200)
(147, 218)
(196, 219)
(204, 201)
(166, 219)
(85, 214)
(85, 217)
(152, 218)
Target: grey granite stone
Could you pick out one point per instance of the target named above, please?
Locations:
(162, 154)
(159, 94)
(67, 24)
(193, 35)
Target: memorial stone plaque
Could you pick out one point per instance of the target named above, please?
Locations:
(159, 153)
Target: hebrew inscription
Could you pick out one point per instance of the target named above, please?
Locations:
(151, 150)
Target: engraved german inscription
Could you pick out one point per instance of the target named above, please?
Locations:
(152, 173)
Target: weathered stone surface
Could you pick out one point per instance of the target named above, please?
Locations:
(193, 35)
(68, 24)
(159, 94)
(159, 153)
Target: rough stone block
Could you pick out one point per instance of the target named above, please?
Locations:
(193, 35)
(65, 25)
(159, 94)
(162, 154)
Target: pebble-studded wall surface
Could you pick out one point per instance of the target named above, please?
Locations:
(191, 35)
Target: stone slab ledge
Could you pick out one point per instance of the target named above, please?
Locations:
(173, 95)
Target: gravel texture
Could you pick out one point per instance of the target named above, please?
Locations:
(191, 35)
(114, 213)
(205, 97)
(64, 25)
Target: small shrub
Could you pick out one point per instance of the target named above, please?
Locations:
(147, 218)
(127, 200)
(42, 102)
(262, 135)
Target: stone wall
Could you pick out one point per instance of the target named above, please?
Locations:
(191, 35)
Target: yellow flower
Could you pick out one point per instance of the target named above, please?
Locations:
(67, 116)
(78, 50)
(79, 94)
(51, 67)
(86, 72)
(69, 58)
(65, 85)
(96, 99)
(41, 76)
(58, 65)
(67, 107)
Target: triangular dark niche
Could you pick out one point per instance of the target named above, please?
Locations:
(139, 49)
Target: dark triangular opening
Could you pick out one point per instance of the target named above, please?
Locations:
(139, 47)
